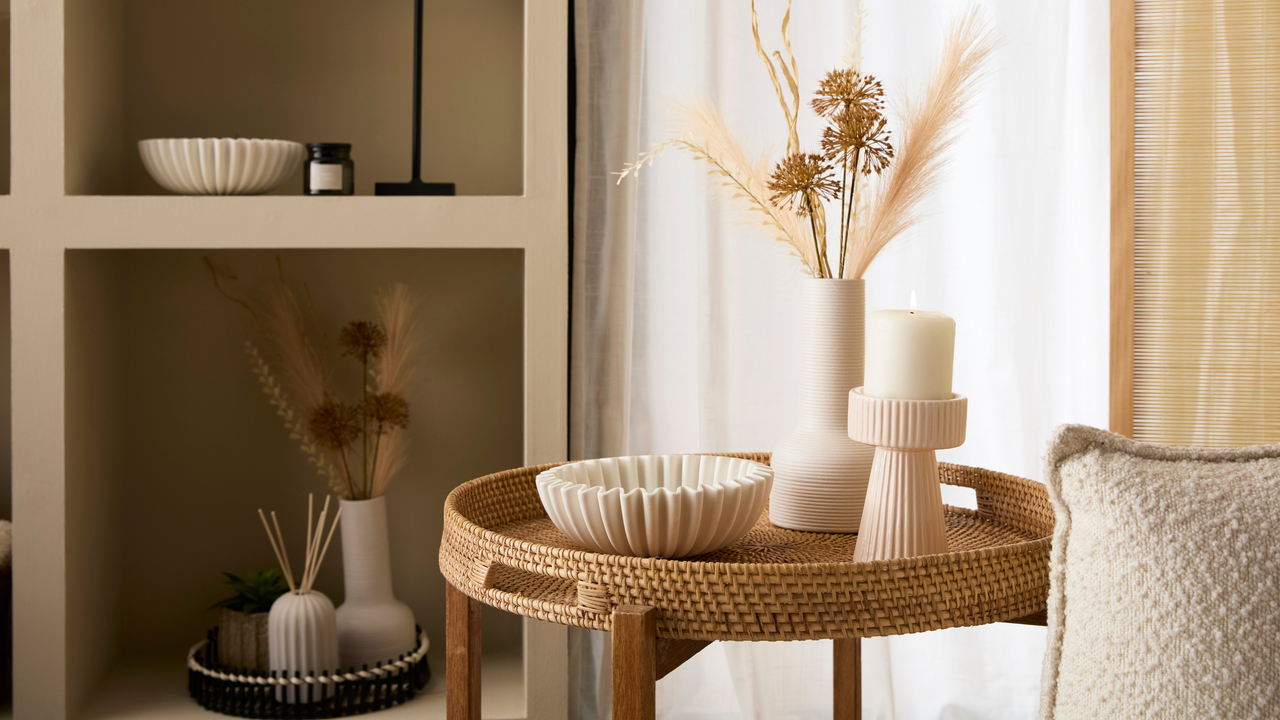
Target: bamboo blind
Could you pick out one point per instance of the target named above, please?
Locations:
(1206, 239)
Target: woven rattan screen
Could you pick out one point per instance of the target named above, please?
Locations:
(1207, 222)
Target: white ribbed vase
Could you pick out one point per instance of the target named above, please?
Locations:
(904, 515)
(819, 474)
(373, 626)
(304, 640)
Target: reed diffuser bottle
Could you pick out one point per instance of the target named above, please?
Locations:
(303, 625)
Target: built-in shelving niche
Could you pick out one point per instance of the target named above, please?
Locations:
(304, 70)
(172, 447)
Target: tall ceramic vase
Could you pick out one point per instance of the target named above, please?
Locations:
(820, 475)
(373, 626)
(304, 642)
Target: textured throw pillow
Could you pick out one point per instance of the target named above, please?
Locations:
(1165, 580)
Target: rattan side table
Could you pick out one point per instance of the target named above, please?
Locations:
(500, 549)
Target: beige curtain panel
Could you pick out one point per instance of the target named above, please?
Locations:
(1207, 222)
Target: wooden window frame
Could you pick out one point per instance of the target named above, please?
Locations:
(1123, 66)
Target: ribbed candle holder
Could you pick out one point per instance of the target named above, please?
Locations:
(903, 516)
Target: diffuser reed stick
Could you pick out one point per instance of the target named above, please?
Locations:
(315, 552)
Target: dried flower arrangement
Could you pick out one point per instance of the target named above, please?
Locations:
(855, 144)
(329, 430)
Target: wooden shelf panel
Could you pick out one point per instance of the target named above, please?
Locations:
(295, 222)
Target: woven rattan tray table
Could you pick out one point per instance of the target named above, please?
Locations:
(500, 549)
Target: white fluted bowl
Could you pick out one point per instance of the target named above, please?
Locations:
(220, 166)
(656, 505)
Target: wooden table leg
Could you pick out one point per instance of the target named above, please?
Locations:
(847, 667)
(634, 662)
(462, 655)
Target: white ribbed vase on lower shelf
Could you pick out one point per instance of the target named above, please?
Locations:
(903, 516)
(304, 641)
(373, 626)
(819, 474)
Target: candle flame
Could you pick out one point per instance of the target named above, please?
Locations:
(913, 301)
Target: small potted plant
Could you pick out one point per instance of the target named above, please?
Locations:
(242, 626)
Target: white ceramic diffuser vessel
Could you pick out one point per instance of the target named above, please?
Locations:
(220, 166)
(656, 505)
(373, 626)
(302, 626)
(304, 642)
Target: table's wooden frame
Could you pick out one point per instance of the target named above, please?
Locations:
(640, 659)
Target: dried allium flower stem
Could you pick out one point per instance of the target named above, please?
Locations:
(336, 426)
(386, 412)
(364, 340)
(802, 181)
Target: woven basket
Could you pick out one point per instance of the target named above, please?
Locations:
(500, 548)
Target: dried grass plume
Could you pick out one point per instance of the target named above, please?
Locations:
(328, 430)
(929, 129)
(880, 186)
(393, 375)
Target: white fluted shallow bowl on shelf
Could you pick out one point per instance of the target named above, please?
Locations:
(220, 166)
(656, 505)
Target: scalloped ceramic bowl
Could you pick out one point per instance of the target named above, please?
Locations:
(220, 166)
(656, 505)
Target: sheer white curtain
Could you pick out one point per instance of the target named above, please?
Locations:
(686, 336)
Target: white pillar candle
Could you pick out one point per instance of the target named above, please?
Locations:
(909, 354)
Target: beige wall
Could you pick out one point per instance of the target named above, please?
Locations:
(94, 92)
(95, 382)
(304, 70)
(176, 441)
(6, 410)
(4, 101)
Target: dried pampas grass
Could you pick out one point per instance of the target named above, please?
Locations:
(929, 129)
(327, 429)
(282, 324)
(393, 375)
(872, 213)
(708, 138)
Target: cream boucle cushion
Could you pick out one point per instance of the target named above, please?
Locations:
(1165, 580)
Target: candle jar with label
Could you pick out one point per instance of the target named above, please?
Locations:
(329, 170)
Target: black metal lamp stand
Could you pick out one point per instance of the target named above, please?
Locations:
(415, 186)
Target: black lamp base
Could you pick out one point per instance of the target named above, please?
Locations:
(414, 187)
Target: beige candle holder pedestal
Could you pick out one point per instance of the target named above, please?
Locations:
(903, 516)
